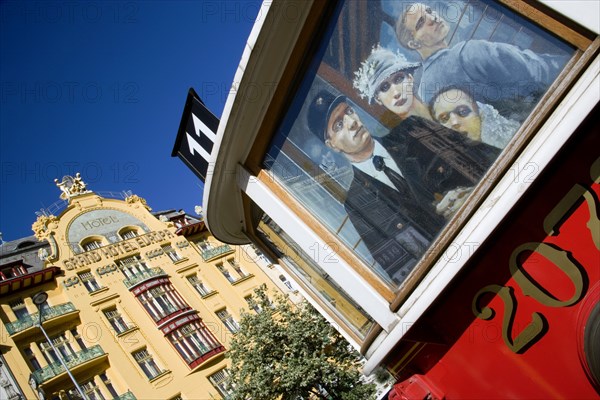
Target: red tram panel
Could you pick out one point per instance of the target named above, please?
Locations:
(514, 322)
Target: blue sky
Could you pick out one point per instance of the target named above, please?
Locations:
(99, 88)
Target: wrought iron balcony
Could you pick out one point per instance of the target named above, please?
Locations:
(126, 396)
(143, 276)
(214, 252)
(32, 319)
(56, 368)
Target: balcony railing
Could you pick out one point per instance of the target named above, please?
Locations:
(126, 396)
(56, 368)
(32, 319)
(209, 254)
(143, 276)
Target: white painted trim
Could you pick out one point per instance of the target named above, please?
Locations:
(263, 62)
(216, 161)
(550, 138)
(584, 12)
(356, 287)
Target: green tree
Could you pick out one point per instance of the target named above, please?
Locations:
(291, 352)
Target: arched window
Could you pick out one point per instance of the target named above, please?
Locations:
(92, 243)
(24, 244)
(129, 232)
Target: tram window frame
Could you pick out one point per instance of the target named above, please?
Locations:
(586, 47)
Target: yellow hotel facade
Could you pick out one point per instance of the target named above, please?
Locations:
(137, 305)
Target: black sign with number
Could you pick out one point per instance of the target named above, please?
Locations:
(196, 136)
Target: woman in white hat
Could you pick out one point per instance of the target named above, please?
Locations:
(388, 79)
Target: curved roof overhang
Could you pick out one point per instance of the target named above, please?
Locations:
(265, 59)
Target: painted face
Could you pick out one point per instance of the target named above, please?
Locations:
(396, 93)
(455, 110)
(427, 27)
(346, 133)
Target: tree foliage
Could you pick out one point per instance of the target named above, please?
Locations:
(291, 352)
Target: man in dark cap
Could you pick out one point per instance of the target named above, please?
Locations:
(399, 178)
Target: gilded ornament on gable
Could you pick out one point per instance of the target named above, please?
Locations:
(40, 226)
(134, 198)
(71, 186)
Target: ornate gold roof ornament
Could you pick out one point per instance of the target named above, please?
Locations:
(41, 226)
(134, 198)
(71, 186)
